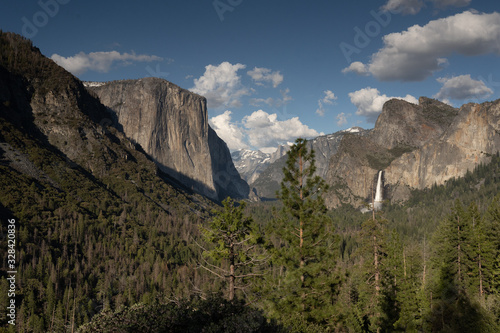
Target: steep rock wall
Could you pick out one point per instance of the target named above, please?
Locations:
(171, 125)
(470, 139)
(417, 146)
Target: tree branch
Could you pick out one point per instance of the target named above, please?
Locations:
(201, 247)
(247, 275)
(208, 269)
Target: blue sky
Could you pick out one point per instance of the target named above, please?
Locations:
(275, 70)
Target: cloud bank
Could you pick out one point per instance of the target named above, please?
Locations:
(221, 85)
(418, 52)
(259, 130)
(100, 61)
(461, 88)
(369, 102)
(228, 131)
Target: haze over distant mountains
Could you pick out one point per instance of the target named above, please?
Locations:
(263, 172)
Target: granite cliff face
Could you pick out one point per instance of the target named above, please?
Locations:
(416, 146)
(170, 124)
(470, 139)
(324, 146)
(405, 124)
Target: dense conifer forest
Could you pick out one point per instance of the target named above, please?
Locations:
(430, 265)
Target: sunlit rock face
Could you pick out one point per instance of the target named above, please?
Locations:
(171, 125)
(416, 146)
(470, 139)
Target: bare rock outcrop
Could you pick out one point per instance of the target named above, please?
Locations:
(171, 125)
(417, 146)
(471, 138)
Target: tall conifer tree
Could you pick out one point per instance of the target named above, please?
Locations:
(305, 251)
(459, 277)
(234, 236)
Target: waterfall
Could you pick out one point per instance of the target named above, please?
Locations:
(379, 196)
(378, 193)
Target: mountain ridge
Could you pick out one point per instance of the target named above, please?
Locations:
(325, 146)
(416, 146)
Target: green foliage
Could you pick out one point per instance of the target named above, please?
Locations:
(113, 240)
(195, 315)
(229, 230)
(20, 57)
(102, 236)
(462, 281)
(304, 277)
(379, 279)
(234, 239)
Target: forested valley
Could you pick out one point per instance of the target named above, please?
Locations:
(107, 242)
(121, 263)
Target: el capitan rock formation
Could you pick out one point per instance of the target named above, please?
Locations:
(171, 125)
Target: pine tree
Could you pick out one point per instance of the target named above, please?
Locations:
(490, 230)
(477, 248)
(304, 250)
(458, 275)
(375, 287)
(407, 268)
(235, 238)
(490, 260)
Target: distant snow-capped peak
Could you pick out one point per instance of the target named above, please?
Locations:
(93, 83)
(354, 129)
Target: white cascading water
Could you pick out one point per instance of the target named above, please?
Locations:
(378, 192)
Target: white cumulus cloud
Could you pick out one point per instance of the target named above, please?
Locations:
(369, 102)
(461, 88)
(99, 61)
(327, 99)
(221, 85)
(418, 52)
(357, 67)
(260, 130)
(228, 131)
(260, 75)
(265, 130)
